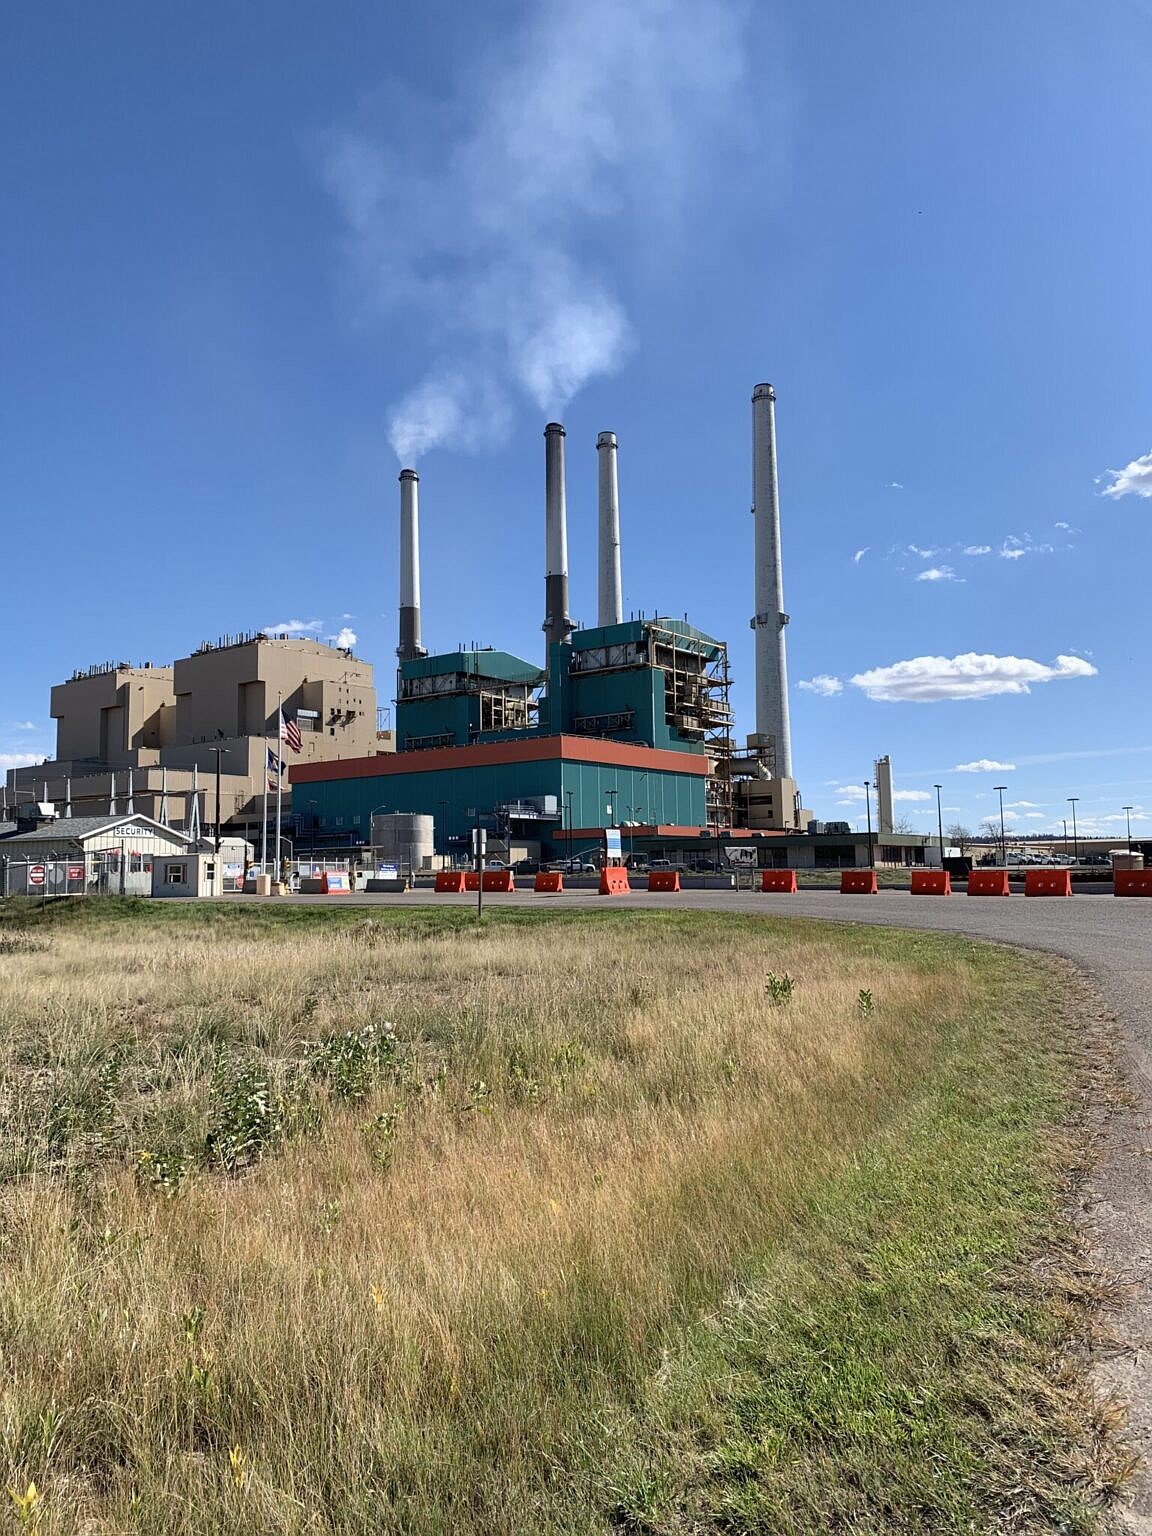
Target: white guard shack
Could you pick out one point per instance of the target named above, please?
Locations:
(116, 855)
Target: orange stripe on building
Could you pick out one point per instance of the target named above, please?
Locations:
(573, 749)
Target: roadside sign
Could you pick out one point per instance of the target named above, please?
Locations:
(612, 842)
(75, 872)
(745, 854)
(479, 842)
(35, 874)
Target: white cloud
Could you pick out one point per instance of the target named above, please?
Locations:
(294, 627)
(894, 485)
(1134, 479)
(20, 759)
(977, 549)
(346, 639)
(491, 221)
(1021, 805)
(926, 679)
(1015, 549)
(1034, 815)
(1066, 527)
(985, 765)
(25, 725)
(822, 684)
(939, 573)
(860, 553)
(850, 793)
(921, 554)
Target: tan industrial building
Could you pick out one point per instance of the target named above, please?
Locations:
(145, 739)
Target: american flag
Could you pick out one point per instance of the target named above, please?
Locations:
(290, 732)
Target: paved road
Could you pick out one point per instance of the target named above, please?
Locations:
(1111, 941)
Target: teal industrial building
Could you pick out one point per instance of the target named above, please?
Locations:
(628, 723)
(622, 727)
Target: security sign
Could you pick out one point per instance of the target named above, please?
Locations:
(75, 872)
(35, 874)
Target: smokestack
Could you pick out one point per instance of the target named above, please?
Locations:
(611, 604)
(409, 648)
(557, 624)
(885, 817)
(770, 620)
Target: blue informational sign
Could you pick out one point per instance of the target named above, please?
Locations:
(612, 842)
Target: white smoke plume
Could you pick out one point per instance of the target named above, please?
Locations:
(501, 222)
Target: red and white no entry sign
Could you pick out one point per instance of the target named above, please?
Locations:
(35, 874)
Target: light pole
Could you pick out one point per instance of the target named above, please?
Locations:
(868, 808)
(1128, 809)
(220, 752)
(1072, 799)
(1000, 788)
(611, 793)
(1064, 824)
(568, 797)
(940, 821)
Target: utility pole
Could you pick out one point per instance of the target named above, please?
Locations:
(1000, 788)
(868, 808)
(479, 838)
(1072, 799)
(220, 752)
(939, 822)
(1128, 809)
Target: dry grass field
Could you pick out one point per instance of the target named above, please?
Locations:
(312, 1222)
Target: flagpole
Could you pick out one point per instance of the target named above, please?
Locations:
(280, 775)
(264, 822)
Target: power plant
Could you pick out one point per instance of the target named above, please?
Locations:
(628, 722)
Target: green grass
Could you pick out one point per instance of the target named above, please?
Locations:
(616, 1236)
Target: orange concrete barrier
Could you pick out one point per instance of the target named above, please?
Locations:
(988, 882)
(664, 880)
(450, 880)
(550, 880)
(1047, 882)
(783, 880)
(335, 883)
(858, 882)
(471, 880)
(499, 880)
(614, 880)
(1132, 882)
(931, 882)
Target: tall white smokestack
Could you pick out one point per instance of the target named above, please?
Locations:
(770, 620)
(557, 623)
(885, 816)
(409, 648)
(611, 602)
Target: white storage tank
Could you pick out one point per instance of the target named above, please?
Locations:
(404, 838)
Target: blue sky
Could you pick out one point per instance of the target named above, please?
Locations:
(248, 250)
